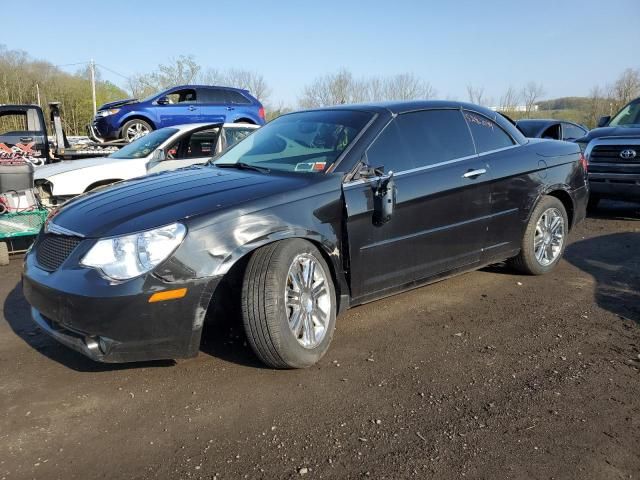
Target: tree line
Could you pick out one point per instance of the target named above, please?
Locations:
(23, 80)
(27, 80)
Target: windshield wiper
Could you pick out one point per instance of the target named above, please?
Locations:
(243, 166)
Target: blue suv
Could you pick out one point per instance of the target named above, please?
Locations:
(132, 118)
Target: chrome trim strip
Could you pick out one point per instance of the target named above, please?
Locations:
(51, 227)
(411, 170)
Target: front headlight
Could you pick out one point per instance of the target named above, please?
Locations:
(122, 258)
(106, 113)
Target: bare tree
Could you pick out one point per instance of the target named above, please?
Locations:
(330, 89)
(179, 71)
(476, 95)
(598, 105)
(406, 86)
(626, 88)
(375, 87)
(342, 87)
(509, 100)
(531, 93)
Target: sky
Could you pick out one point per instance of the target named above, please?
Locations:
(567, 45)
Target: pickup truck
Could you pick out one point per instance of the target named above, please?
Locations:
(613, 153)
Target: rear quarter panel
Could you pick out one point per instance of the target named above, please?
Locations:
(521, 176)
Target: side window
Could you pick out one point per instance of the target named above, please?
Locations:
(182, 96)
(435, 136)
(553, 132)
(213, 95)
(237, 98)
(487, 134)
(11, 122)
(389, 150)
(572, 132)
(196, 145)
(202, 144)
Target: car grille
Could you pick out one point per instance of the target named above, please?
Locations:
(611, 154)
(52, 250)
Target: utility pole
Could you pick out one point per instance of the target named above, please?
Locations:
(92, 71)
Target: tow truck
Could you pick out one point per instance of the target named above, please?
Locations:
(24, 136)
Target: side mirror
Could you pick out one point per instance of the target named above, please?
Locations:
(163, 101)
(384, 200)
(369, 172)
(602, 121)
(158, 155)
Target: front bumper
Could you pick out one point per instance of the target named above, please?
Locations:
(104, 128)
(114, 322)
(615, 185)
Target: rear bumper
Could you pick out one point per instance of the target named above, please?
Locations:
(115, 322)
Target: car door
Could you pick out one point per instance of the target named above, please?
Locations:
(442, 204)
(214, 105)
(182, 107)
(513, 181)
(22, 134)
(194, 148)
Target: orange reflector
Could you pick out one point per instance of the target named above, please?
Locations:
(168, 295)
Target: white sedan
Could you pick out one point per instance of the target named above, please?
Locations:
(164, 149)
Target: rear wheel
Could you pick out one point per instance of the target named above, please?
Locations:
(134, 129)
(288, 304)
(544, 239)
(4, 254)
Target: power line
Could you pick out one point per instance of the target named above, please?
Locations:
(129, 78)
(71, 64)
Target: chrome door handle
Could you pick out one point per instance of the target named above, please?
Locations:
(474, 173)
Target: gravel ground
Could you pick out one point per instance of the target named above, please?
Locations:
(486, 375)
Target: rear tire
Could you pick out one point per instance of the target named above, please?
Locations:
(4, 254)
(288, 304)
(134, 129)
(544, 239)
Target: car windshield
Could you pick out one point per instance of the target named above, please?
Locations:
(298, 142)
(629, 115)
(144, 145)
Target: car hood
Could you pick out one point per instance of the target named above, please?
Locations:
(168, 197)
(47, 171)
(119, 103)
(622, 131)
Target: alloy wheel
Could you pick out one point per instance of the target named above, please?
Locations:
(307, 300)
(135, 131)
(549, 236)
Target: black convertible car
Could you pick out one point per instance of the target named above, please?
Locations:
(316, 212)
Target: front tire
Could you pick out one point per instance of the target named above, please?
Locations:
(288, 304)
(134, 129)
(544, 239)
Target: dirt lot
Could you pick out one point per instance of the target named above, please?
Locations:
(487, 375)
